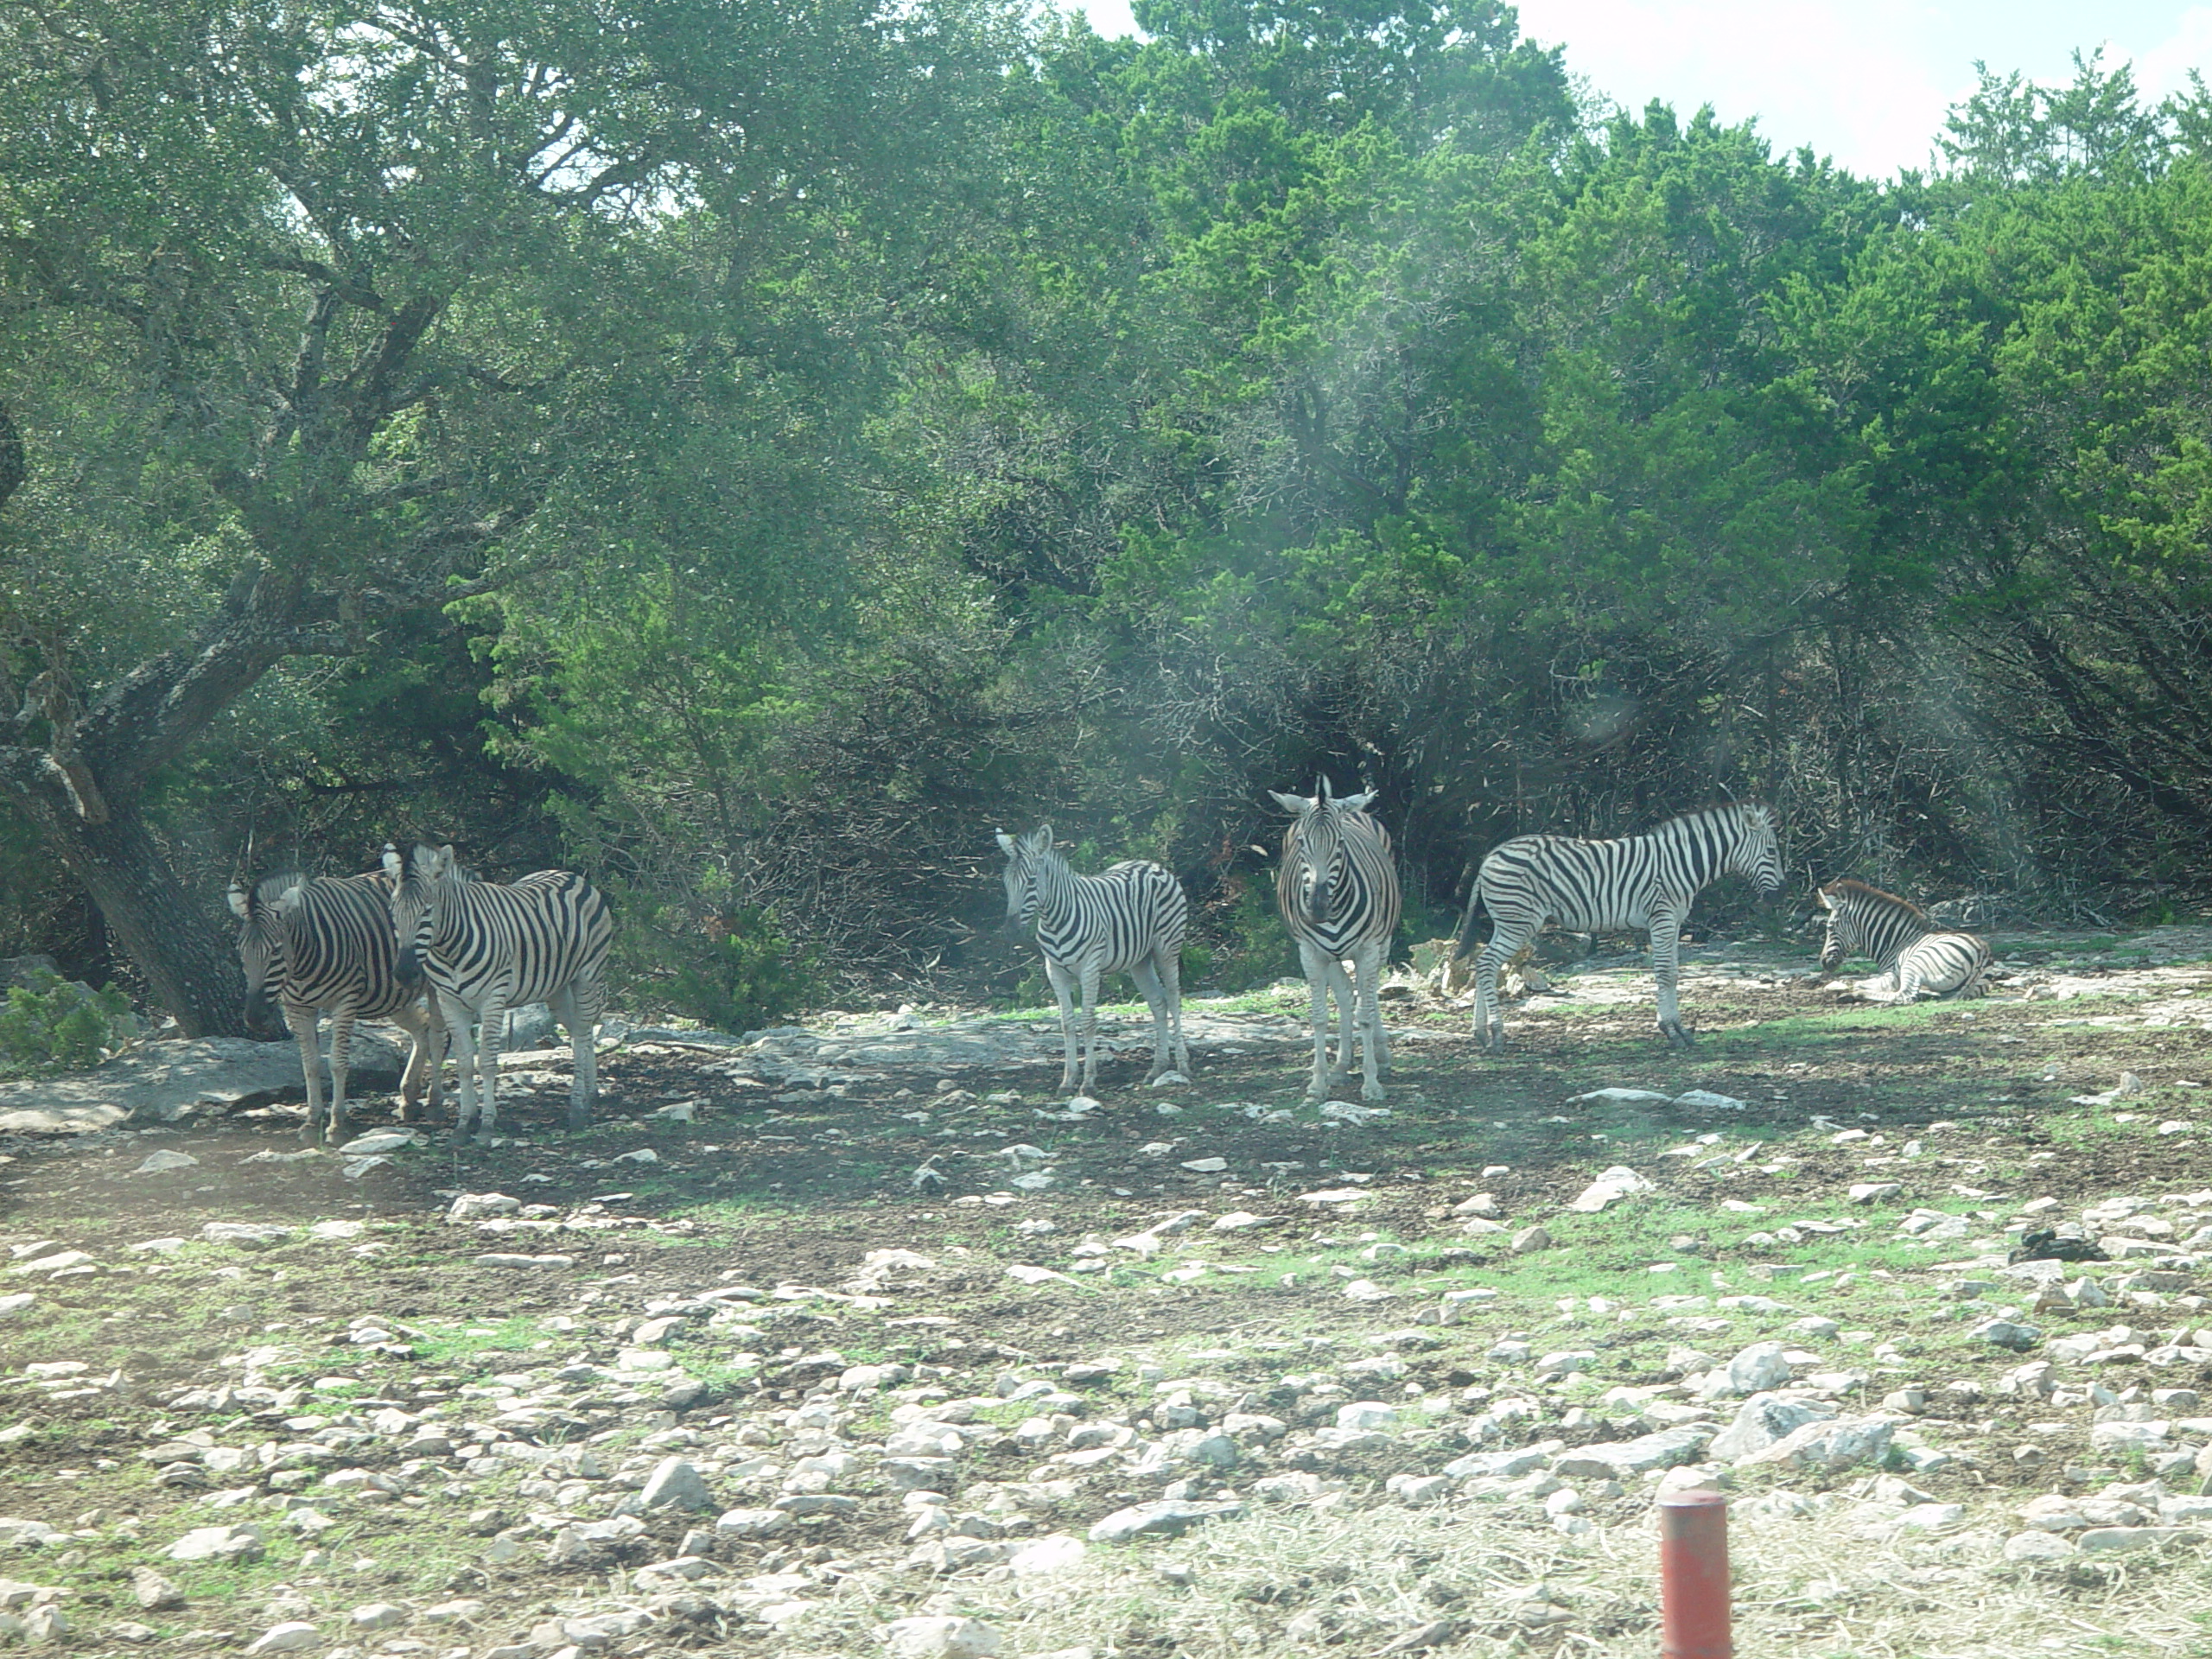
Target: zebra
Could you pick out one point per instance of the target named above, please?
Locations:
(307, 945)
(1915, 956)
(487, 948)
(1127, 919)
(1337, 889)
(1648, 882)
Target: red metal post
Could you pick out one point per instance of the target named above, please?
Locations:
(1694, 1576)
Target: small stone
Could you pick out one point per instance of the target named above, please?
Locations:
(378, 1616)
(292, 1636)
(2007, 1333)
(152, 1591)
(942, 1636)
(1529, 1240)
(2037, 1547)
(1165, 1518)
(2113, 1541)
(675, 1484)
(753, 1523)
(217, 1543)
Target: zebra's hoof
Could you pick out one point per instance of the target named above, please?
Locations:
(1374, 1094)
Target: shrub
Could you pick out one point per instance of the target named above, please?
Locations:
(52, 1024)
(738, 973)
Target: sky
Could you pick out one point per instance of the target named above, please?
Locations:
(1865, 82)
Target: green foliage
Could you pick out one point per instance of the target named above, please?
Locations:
(736, 972)
(51, 1024)
(883, 423)
(1253, 948)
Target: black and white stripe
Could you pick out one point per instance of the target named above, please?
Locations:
(1129, 919)
(1337, 889)
(309, 946)
(1918, 958)
(1642, 881)
(487, 948)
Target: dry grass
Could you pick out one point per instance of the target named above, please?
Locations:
(1844, 1584)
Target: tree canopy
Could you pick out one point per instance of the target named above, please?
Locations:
(751, 452)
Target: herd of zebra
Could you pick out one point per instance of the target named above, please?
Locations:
(1338, 890)
(425, 944)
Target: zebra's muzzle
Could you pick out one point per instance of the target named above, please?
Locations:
(260, 1014)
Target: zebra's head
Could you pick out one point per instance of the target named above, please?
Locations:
(1314, 846)
(1755, 852)
(1833, 947)
(419, 887)
(1025, 856)
(261, 911)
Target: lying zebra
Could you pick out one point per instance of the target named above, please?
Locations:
(1916, 958)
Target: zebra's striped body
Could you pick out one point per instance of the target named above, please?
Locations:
(1645, 882)
(307, 946)
(487, 948)
(1129, 919)
(1917, 958)
(1337, 889)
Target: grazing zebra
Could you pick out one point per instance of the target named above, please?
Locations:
(487, 948)
(1129, 919)
(1337, 889)
(1648, 880)
(327, 944)
(1916, 956)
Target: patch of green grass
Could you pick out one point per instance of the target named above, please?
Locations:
(455, 1344)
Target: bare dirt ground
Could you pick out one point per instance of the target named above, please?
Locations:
(418, 1414)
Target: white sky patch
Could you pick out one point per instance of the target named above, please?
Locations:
(1867, 82)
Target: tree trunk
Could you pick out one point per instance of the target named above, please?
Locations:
(190, 967)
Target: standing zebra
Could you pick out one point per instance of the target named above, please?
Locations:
(327, 944)
(487, 948)
(1916, 957)
(1648, 880)
(1337, 889)
(1129, 919)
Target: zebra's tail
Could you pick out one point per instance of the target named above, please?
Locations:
(1464, 937)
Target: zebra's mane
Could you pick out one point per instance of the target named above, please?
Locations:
(274, 886)
(1859, 889)
(1737, 809)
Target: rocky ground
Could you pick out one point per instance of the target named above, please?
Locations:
(862, 1337)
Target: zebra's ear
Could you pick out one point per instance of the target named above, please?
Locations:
(1039, 840)
(241, 906)
(394, 866)
(446, 859)
(1005, 842)
(1297, 805)
(425, 862)
(1356, 803)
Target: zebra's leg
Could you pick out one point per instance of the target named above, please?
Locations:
(1366, 965)
(1505, 938)
(1169, 961)
(1314, 963)
(1090, 977)
(460, 1029)
(1063, 983)
(1340, 987)
(1666, 946)
(1146, 977)
(1379, 965)
(410, 1019)
(301, 1021)
(576, 1007)
(341, 1054)
(489, 1041)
